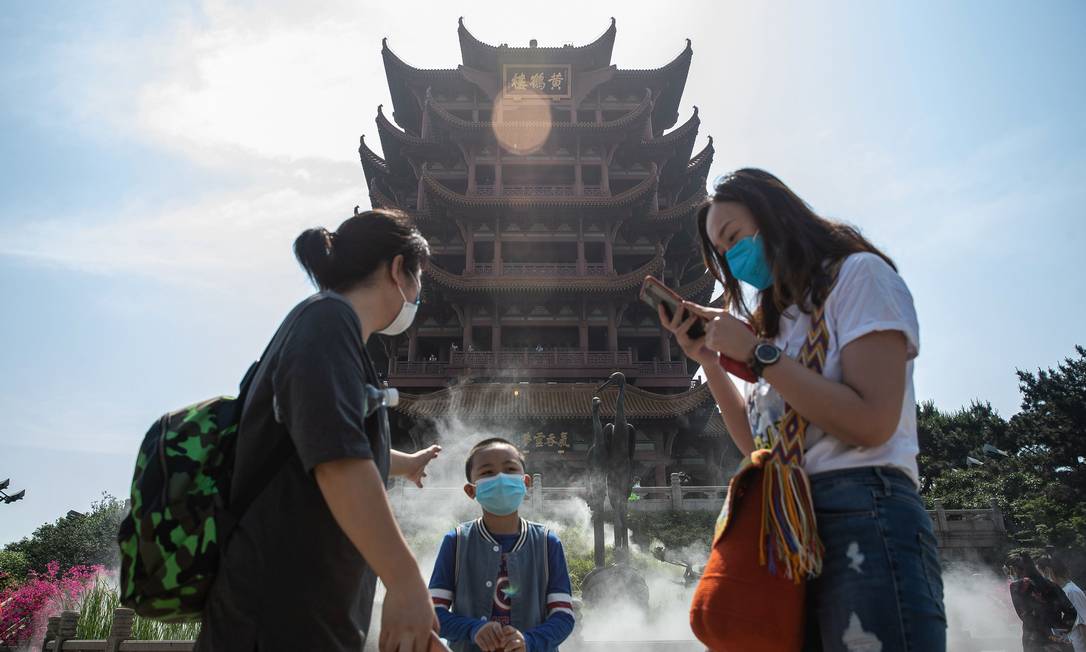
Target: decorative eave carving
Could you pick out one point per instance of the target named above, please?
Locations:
(373, 166)
(699, 165)
(676, 144)
(698, 290)
(677, 213)
(670, 79)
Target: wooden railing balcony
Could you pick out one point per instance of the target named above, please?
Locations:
(541, 269)
(405, 368)
(489, 190)
(529, 362)
(532, 359)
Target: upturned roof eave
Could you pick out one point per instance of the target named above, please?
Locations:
(478, 54)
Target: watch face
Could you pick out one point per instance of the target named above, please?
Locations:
(767, 353)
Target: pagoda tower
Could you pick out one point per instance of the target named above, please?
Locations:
(549, 183)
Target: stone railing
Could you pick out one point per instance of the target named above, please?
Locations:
(541, 269)
(675, 497)
(954, 528)
(489, 190)
(60, 635)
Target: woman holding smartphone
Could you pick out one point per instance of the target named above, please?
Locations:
(880, 585)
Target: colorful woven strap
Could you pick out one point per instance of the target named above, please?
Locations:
(789, 534)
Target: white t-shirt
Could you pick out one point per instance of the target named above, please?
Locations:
(869, 296)
(1078, 599)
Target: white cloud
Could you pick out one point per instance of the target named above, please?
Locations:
(248, 232)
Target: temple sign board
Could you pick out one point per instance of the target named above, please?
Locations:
(526, 81)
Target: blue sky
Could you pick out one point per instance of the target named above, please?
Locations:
(157, 162)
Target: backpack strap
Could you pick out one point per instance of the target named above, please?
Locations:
(281, 450)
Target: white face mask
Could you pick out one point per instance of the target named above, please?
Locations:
(406, 315)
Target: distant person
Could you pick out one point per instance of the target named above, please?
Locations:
(880, 578)
(300, 570)
(1056, 571)
(501, 582)
(1038, 603)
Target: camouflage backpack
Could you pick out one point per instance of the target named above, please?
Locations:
(178, 519)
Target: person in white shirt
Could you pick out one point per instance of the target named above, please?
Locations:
(880, 585)
(1056, 571)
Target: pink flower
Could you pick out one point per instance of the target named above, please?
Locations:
(25, 609)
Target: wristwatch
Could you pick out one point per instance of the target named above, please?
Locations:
(765, 354)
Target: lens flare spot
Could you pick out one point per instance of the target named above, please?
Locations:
(523, 125)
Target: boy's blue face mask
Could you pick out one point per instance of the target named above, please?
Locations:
(748, 263)
(501, 494)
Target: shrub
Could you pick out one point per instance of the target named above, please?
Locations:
(27, 606)
(13, 568)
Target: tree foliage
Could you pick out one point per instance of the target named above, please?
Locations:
(1041, 481)
(77, 539)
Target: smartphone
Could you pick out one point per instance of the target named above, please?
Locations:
(655, 293)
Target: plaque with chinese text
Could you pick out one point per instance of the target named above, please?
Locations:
(536, 80)
(554, 442)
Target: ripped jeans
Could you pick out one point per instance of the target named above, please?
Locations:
(881, 589)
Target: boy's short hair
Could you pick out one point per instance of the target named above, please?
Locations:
(487, 443)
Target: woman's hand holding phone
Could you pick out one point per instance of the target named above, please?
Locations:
(680, 323)
(732, 337)
(727, 341)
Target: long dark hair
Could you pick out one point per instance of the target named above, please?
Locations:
(342, 259)
(801, 247)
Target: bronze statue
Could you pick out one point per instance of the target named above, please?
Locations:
(597, 481)
(619, 440)
(610, 467)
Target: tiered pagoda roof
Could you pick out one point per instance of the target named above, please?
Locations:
(407, 84)
(554, 240)
(483, 56)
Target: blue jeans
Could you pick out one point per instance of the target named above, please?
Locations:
(881, 588)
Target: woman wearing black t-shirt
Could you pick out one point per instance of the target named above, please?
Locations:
(1036, 600)
(300, 569)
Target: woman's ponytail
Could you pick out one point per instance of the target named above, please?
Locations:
(315, 252)
(347, 257)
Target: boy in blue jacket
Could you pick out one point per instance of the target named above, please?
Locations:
(500, 583)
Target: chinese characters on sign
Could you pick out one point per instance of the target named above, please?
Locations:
(536, 80)
(545, 441)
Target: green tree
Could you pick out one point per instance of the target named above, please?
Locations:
(13, 568)
(946, 439)
(75, 539)
(1041, 482)
(1051, 430)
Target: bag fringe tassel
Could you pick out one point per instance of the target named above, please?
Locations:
(789, 534)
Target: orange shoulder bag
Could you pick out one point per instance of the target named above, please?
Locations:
(751, 595)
